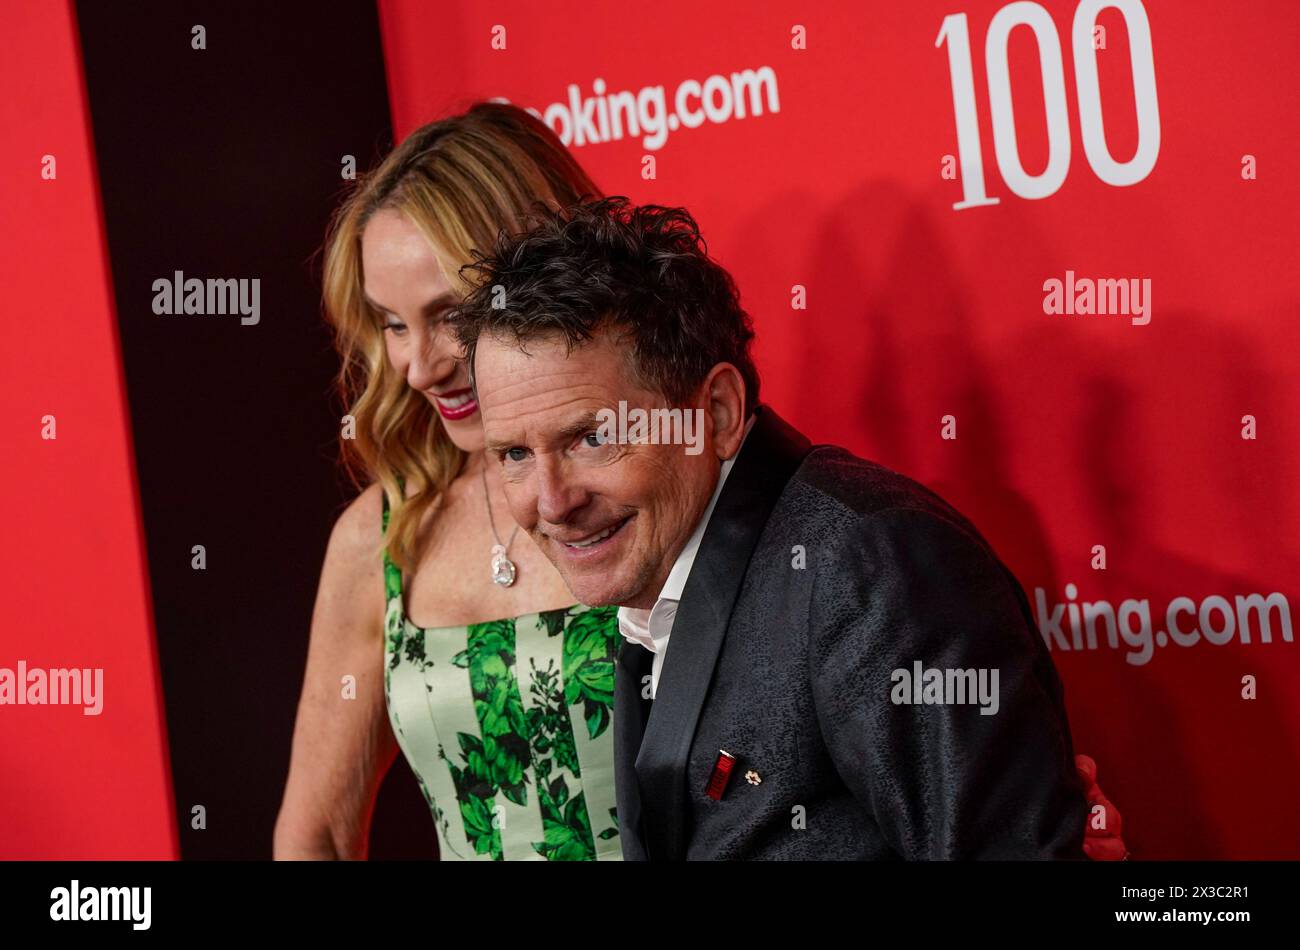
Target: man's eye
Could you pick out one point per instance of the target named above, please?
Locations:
(594, 439)
(516, 454)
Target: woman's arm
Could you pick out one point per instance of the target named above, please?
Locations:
(341, 747)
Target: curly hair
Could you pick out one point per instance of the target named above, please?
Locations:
(606, 263)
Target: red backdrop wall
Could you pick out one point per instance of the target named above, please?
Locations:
(72, 561)
(924, 320)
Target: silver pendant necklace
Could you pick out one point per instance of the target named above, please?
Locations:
(503, 569)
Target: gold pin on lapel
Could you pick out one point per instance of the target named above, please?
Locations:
(753, 778)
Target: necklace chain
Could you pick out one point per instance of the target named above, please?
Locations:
(487, 496)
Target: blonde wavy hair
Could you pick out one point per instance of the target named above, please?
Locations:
(461, 181)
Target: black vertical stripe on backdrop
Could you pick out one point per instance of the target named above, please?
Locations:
(225, 162)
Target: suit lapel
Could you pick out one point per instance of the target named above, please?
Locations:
(771, 454)
(630, 713)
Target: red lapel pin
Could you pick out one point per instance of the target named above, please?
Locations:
(721, 775)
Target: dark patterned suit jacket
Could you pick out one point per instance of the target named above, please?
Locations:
(790, 668)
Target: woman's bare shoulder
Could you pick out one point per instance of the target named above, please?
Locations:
(358, 531)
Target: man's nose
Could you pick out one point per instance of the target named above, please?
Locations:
(559, 495)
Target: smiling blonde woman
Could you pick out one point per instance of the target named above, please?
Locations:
(468, 652)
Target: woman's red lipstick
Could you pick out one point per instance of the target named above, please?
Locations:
(457, 404)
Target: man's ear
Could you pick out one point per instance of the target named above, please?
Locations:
(724, 404)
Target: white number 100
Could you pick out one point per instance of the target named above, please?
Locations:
(1026, 13)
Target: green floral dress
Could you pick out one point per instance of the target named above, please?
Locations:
(507, 726)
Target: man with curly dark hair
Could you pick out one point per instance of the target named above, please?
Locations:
(853, 673)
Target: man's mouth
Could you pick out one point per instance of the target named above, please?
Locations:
(596, 540)
(456, 404)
